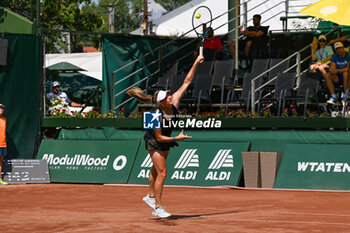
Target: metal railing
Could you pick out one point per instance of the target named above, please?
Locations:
(158, 60)
(298, 71)
(153, 62)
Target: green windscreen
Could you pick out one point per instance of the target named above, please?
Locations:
(20, 93)
(120, 50)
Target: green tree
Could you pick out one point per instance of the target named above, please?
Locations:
(59, 15)
(22, 7)
(67, 15)
(127, 14)
(170, 5)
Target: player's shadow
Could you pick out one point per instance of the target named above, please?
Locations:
(194, 216)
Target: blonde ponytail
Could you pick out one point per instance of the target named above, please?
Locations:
(140, 96)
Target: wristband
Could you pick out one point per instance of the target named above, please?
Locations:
(174, 139)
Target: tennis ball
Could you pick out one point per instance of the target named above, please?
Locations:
(197, 15)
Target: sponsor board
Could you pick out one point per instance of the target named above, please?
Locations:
(25, 171)
(195, 164)
(314, 166)
(89, 161)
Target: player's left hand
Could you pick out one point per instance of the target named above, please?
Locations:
(182, 136)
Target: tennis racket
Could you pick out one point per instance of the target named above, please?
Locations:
(201, 22)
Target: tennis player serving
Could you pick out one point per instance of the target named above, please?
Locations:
(159, 141)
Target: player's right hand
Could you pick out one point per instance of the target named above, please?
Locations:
(199, 59)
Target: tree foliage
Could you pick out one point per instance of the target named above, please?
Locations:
(83, 15)
(127, 14)
(170, 5)
(22, 7)
(59, 15)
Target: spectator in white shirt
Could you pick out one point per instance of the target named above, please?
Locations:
(57, 93)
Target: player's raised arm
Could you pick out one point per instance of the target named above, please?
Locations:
(176, 97)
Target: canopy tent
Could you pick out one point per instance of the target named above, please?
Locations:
(79, 87)
(80, 74)
(64, 66)
(90, 62)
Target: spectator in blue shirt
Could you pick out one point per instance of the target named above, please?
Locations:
(338, 70)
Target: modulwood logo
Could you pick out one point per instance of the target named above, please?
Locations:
(85, 160)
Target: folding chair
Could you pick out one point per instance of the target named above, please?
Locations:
(222, 76)
(201, 91)
(164, 80)
(245, 96)
(308, 90)
(283, 86)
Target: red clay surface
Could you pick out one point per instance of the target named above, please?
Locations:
(98, 208)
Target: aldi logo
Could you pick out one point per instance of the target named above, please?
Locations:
(147, 162)
(222, 159)
(146, 167)
(188, 159)
(151, 120)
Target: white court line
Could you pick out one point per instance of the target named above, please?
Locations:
(294, 222)
(320, 214)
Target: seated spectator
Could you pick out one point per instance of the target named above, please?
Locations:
(212, 46)
(57, 93)
(255, 36)
(322, 56)
(344, 39)
(338, 71)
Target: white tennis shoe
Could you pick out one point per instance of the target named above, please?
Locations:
(160, 212)
(151, 201)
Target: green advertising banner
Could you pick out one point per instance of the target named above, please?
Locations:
(314, 166)
(87, 161)
(195, 164)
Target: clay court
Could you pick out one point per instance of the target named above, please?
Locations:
(104, 208)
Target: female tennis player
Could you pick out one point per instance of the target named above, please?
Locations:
(159, 141)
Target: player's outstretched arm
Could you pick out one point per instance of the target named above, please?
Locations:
(176, 97)
(163, 138)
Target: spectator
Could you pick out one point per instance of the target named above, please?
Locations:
(3, 146)
(57, 93)
(344, 39)
(338, 71)
(255, 35)
(321, 56)
(212, 46)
